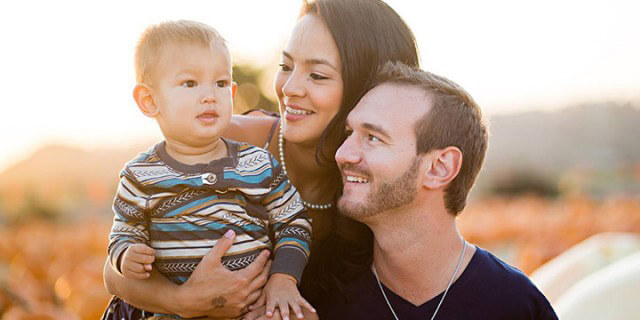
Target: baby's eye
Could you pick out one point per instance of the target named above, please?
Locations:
(222, 83)
(189, 83)
(284, 67)
(316, 76)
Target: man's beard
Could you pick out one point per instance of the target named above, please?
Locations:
(384, 196)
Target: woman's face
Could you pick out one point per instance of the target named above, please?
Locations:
(309, 82)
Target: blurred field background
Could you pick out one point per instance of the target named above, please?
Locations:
(551, 180)
(558, 81)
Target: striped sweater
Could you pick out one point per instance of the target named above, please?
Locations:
(182, 210)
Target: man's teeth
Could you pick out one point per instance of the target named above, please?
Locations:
(357, 179)
(298, 112)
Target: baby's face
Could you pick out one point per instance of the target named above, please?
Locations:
(193, 92)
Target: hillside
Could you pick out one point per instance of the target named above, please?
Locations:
(587, 138)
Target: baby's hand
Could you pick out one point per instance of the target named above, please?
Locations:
(136, 261)
(281, 292)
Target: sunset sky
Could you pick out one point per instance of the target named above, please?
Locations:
(67, 71)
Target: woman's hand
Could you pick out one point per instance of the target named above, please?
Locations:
(214, 291)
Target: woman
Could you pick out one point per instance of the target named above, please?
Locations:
(334, 48)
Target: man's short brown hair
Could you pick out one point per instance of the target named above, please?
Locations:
(454, 120)
(155, 37)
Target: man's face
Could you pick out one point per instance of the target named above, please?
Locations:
(378, 159)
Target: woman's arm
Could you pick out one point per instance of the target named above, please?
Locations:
(211, 290)
(253, 129)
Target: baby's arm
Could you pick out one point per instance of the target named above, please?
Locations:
(289, 221)
(129, 227)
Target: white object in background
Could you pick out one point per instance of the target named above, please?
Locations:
(611, 293)
(555, 277)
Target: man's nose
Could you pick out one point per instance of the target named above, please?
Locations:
(348, 151)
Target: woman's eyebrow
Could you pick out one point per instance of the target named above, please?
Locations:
(311, 61)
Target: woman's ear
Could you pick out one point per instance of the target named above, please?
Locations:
(440, 167)
(144, 100)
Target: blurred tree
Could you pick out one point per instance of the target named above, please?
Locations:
(37, 208)
(524, 182)
(250, 93)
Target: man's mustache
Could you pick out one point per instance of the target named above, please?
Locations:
(356, 169)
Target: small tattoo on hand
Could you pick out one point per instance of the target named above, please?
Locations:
(218, 302)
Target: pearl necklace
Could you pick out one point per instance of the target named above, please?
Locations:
(308, 205)
(464, 248)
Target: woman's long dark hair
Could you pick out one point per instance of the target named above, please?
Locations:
(368, 33)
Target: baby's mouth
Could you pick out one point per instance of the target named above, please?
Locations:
(208, 115)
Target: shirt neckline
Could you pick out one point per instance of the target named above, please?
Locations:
(212, 166)
(431, 303)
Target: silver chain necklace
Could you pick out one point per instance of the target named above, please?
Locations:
(464, 248)
(308, 205)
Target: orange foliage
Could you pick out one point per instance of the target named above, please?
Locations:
(529, 231)
(53, 271)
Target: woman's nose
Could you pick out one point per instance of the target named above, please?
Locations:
(294, 87)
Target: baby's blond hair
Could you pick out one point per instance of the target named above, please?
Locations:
(156, 36)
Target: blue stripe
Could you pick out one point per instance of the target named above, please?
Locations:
(303, 244)
(178, 227)
(194, 182)
(266, 174)
(190, 205)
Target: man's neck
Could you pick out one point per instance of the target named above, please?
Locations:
(415, 256)
(191, 155)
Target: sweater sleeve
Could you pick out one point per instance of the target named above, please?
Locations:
(130, 221)
(290, 224)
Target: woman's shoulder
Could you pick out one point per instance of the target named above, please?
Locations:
(255, 127)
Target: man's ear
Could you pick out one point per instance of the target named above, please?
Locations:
(144, 100)
(441, 167)
(234, 89)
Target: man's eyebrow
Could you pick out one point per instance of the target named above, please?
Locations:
(312, 61)
(375, 128)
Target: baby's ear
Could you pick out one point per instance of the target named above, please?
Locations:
(234, 89)
(144, 100)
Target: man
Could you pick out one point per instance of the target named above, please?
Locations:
(416, 144)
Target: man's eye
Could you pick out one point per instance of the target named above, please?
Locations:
(189, 84)
(222, 83)
(284, 67)
(373, 138)
(316, 76)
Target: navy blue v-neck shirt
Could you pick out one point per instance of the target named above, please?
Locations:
(487, 289)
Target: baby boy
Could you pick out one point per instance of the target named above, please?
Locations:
(177, 199)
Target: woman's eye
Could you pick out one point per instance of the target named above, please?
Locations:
(284, 67)
(222, 83)
(189, 84)
(373, 138)
(316, 76)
